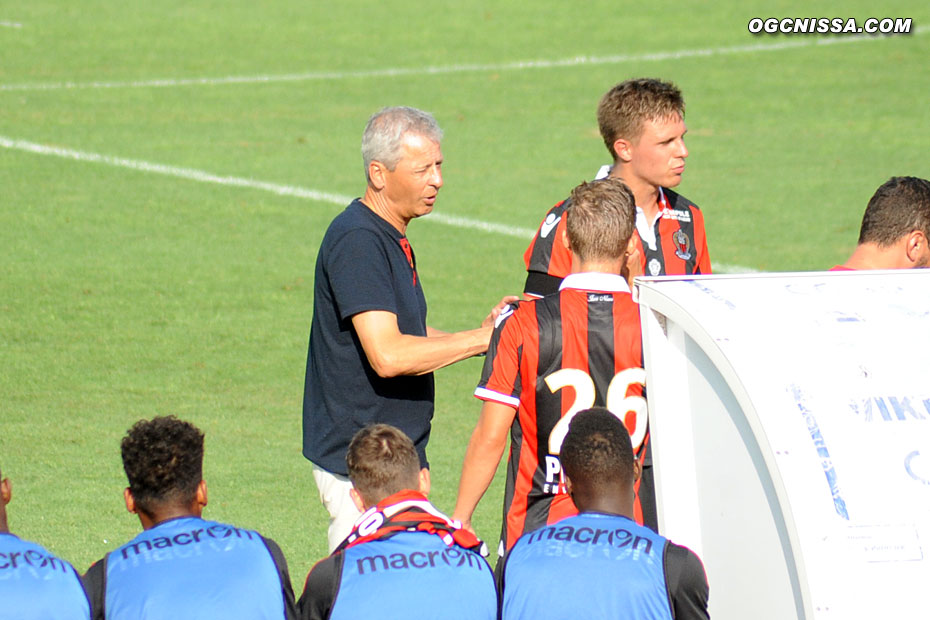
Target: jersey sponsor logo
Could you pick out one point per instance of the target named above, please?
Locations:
(676, 214)
(196, 536)
(555, 480)
(452, 557)
(655, 267)
(31, 558)
(548, 225)
(618, 537)
(595, 297)
(682, 245)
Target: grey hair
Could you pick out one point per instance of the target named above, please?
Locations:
(386, 128)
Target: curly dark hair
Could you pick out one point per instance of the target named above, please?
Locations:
(163, 460)
(597, 448)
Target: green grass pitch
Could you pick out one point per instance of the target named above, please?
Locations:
(129, 290)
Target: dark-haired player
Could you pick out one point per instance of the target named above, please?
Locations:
(605, 564)
(404, 558)
(34, 584)
(642, 122)
(182, 566)
(557, 355)
(895, 231)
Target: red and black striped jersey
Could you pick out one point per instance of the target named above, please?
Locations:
(548, 359)
(675, 244)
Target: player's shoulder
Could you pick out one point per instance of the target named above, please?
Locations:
(520, 306)
(677, 201)
(559, 208)
(354, 219)
(552, 219)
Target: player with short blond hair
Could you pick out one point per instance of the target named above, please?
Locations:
(642, 122)
(551, 357)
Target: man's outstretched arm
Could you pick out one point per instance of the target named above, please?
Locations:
(392, 353)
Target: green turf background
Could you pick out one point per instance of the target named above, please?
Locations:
(125, 294)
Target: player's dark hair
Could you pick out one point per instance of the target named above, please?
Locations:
(601, 219)
(382, 461)
(163, 461)
(625, 108)
(900, 206)
(597, 449)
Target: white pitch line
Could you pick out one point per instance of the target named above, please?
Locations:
(463, 68)
(6, 24)
(276, 188)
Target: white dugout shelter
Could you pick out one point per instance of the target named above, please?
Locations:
(790, 416)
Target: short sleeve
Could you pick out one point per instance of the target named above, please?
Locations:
(358, 269)
(500, 377)
(547, 259)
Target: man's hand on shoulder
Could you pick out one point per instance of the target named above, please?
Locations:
(496, 310)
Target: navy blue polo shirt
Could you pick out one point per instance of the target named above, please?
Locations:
(363, 264)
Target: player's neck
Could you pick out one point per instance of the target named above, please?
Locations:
(375, 201)
(167, 513)
(597, 266)
(871, 256)
(604, 504)
(646, 194)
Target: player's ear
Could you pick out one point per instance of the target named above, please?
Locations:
(6, 491)
(424, 481)
(568, 483)
(624, 150)
(565, 240)
(202, 493)
(357, 499)
(631, 244)
(130, 501)
(916, 246)
(637, 470)
(376, 172)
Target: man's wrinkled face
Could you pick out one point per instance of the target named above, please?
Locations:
(411, 188)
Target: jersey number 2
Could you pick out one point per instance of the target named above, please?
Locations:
(618, 403)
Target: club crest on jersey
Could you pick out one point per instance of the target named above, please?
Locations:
(682, 245)
(655, 267)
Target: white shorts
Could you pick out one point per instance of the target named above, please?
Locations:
(334, 493)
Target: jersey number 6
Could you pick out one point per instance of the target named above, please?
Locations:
(618, 403)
